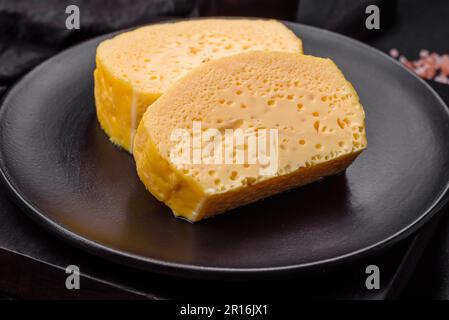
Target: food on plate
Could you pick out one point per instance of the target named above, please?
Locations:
(244, 127)
(135, 68)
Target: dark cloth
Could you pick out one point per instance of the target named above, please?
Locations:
(31, 31)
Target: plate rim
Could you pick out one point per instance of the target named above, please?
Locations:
(198, 271)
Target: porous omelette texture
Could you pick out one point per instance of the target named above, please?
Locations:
(319, 120)
(135, 68)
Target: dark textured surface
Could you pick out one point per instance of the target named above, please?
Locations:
(431, 280)
(424, 25)
(418, 24)
(61, 163)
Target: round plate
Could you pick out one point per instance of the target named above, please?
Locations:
(66, 174)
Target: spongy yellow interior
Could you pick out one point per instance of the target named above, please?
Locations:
(135, 68)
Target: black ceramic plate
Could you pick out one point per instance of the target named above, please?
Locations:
(67, 175)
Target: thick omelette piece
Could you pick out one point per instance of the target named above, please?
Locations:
(135, 68)
(308, 112)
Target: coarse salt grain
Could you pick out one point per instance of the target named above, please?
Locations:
(423, 53)
(444, 65)
(430, 66)
(394, 53)
(441, 78)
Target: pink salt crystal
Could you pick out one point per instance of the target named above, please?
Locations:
(430, 59)
(428, 65)
(431, 64)
(421, 63)
(423, 53)
(441, 78)
(430, 73)
(433, 60)
(421, 71)
(394, 53)
(408, 64)
(405, 62)
(438, 61)
(444, 65)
